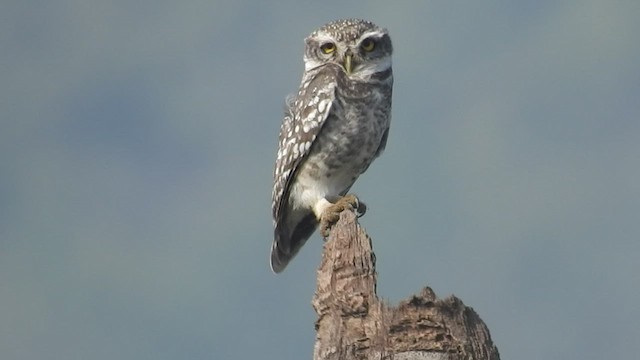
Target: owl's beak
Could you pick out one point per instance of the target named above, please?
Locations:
(347, 63)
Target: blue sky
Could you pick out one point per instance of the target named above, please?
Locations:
(136, 155)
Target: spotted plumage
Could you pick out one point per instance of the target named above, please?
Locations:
(333, 128)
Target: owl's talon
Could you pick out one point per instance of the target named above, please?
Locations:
(327, 222)
(331, 215)
(358, 207)
(361, 209)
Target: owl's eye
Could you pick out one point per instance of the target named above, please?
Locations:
(368, 45)
(328, 48)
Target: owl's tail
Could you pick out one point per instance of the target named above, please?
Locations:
(286, 244)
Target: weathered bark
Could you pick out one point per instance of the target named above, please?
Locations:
(353, 323)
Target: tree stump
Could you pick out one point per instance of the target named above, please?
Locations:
(353, 323)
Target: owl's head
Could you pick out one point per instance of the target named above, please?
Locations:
(358, 46)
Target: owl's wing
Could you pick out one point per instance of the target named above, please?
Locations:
(305, 114)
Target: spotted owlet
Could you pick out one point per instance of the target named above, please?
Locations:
(333, 128)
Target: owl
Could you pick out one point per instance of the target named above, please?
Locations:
(333, 128)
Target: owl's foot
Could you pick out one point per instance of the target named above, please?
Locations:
(331, 214)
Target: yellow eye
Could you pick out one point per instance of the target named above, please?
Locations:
(368, 45)
(328, 48)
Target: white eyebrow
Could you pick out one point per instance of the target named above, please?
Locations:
(377, 34)
(322, 37)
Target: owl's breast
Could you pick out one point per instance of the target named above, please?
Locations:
(342, 151)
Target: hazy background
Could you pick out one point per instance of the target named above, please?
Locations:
(137, 141)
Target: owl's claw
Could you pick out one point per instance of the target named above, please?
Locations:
(331, 215)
